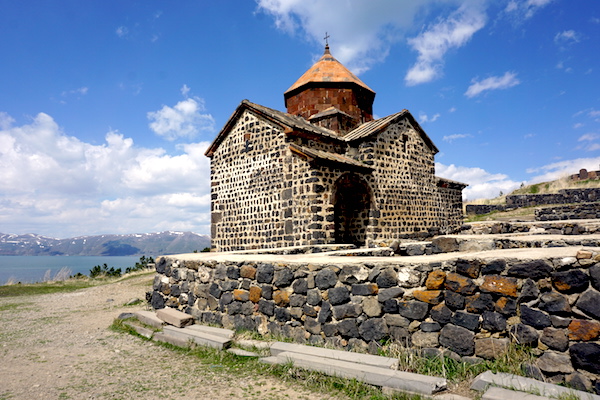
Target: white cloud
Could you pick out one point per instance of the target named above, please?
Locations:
(122, 31)
(185, 119)
(424, 118)
(525, 8)
(451, 138)
(560, 169)
(578, 125)
(361, 31)
(482, 184)
(433, 44)
(588, 137)
(509, 79)
(566, 37)
(58, 185)
(185, 90)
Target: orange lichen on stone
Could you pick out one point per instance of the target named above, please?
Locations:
(584, 330)
(240, 295)
(435, 280)
(500, 284)
(429, 296)
(255, 293)
(281, 298)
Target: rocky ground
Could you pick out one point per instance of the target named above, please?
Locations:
(59, 346)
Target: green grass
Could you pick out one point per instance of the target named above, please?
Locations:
(44, 288)
(231, 364)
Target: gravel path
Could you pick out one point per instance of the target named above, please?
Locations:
(58, 346)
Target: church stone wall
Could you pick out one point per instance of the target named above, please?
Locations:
(406, 198)
(247, 186)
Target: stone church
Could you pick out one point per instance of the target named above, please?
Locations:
(325, 171)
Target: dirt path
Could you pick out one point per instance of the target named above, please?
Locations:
(58, 346)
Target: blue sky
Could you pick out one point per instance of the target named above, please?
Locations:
(106, 107)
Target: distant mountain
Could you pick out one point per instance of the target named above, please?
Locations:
(149, 244)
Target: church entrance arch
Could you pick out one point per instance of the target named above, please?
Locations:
(352, 203)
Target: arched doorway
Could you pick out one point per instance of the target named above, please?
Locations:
(352, 202)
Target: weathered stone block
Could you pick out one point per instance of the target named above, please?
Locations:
(502, 285)
(441, 314)
(300, 286)
(479, 302)
(371, 307)
(325, 313)
(425, 339)
(325, 278)
(281, 298)
(535, 318)
(413, 309)
(457, 339)
(266, 307)
(373, 329)
(390, 293)
(554, 303)
(553, 363)
(429, 296)
(535, 270)
(435, 280)
(297, 300)
(312, 325)
(586, 356)
(348, 310)
(338, 295)
(174, 317)
(466, 320)
(589, 302)
(493, 321)
(460, 284)
(454, 300)
(254, 294)
(570, 281)
(524, 334)
(241, 295)
(490, 348)
(493, 267)
(366, 289)
(313, 297)
(282, 314)
(264, 273)
(283, 277)
(555, 339)
(387, 278)
(529, 291)
(247, 271)
(506, 306)
(584, 330)
(469, 268)
(348, 328)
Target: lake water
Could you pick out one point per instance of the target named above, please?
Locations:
(29, 269)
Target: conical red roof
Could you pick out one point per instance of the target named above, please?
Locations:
(327, 69)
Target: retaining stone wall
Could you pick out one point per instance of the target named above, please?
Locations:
(473, 307)
(575, 211)
(564, 196)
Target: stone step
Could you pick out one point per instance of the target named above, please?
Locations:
(366, 359)
(376, 376)
(226, 333)
(179, 341)
(149, 318)
(143, 331)
(243, 353)
(496, 393)
(174, 317)
(520, 383)
(201, 338)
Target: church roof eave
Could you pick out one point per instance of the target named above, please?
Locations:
(286, 121)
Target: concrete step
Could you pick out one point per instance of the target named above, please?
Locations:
(384, 377)
(243, 353)
(496, 393)
(366, 359)
(174, 317)
(143, 331)
(522, 384)
(149, 318)
(201, 338)
(178, 341)
(226, 333)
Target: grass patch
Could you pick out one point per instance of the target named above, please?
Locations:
(231, 364)
(13, 306)
(44, 288)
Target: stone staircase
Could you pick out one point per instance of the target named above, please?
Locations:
(177, 328)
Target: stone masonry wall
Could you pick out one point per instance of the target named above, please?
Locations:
(574, 211)
(473, 307)
(246, 186)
